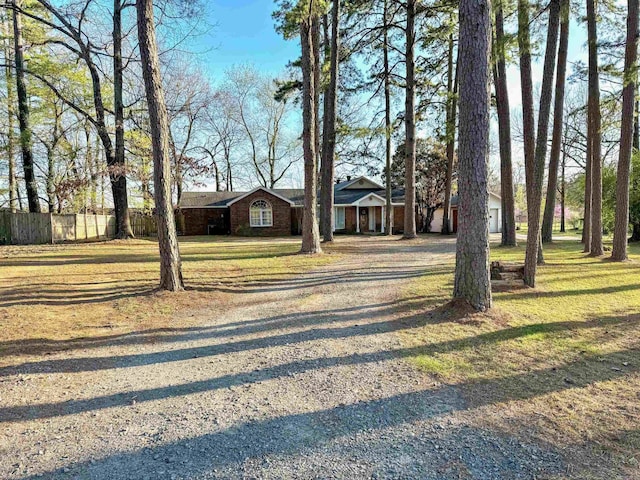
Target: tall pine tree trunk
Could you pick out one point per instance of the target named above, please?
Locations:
(329, 126)
(388, 213)
(558, 114)
(504, 134)
(472, 281)
(535, 169)
(621, 230)
(170, 262)
(586, 226)
(636, 127)
(528, 122)
(452, 107)
(23, 113)
(9, 81)
(310, 232)
(410, 126)
(594, 133)
(563, 187)
(317, 82)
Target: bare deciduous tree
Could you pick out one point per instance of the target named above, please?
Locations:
(23, 111)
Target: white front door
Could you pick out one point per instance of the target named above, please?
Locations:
(372, 219)
(494, 220)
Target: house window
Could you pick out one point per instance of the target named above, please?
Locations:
(260, 214)
(339, 218)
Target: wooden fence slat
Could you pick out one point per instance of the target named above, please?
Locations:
(39, 228)
(63, 228)
(5, 228)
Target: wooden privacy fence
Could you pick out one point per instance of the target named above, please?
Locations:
(38, 228)
(144, 225)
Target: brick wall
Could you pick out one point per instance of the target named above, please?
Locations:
(239, 213)
(398, 219)
(196, 221)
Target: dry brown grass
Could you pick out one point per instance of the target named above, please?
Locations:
(53, 293)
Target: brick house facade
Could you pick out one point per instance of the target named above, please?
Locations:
(281, 211)
(359, 208)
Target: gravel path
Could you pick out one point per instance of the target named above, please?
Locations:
(300, 382)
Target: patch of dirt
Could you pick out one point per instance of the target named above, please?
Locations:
(294, 378)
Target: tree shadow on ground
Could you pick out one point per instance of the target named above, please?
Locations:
(222, 330)
(481, 454)
(87, 293)
(509, 388)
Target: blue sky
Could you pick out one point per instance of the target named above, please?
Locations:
(243, 32)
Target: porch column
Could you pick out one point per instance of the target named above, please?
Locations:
(382, 220)
(333, 227)
(357, 218)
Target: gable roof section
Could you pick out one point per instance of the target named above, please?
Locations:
(272, 192)
(351, 197)
(345, 193)
(360, 183)
(296, 195)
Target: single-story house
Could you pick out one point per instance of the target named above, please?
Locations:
(359, 207)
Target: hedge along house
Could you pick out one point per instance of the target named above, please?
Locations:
(359, 208)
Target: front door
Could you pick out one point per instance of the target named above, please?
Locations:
(364, 219)
(218, 225)
(493, 220)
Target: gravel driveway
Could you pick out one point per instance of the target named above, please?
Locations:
(302, 381)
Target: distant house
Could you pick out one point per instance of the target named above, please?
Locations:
(495, 214)
(359, 207)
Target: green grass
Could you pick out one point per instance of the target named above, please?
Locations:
(61, 292)
(563, 357)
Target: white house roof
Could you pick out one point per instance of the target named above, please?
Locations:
(455, 198)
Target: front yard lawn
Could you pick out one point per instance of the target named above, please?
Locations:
(61, 292)
(562, 359)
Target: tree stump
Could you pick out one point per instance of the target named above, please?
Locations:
(505, 276)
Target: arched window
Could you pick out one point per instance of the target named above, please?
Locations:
(260, 214)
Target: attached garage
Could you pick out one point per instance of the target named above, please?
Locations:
(495, 213)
